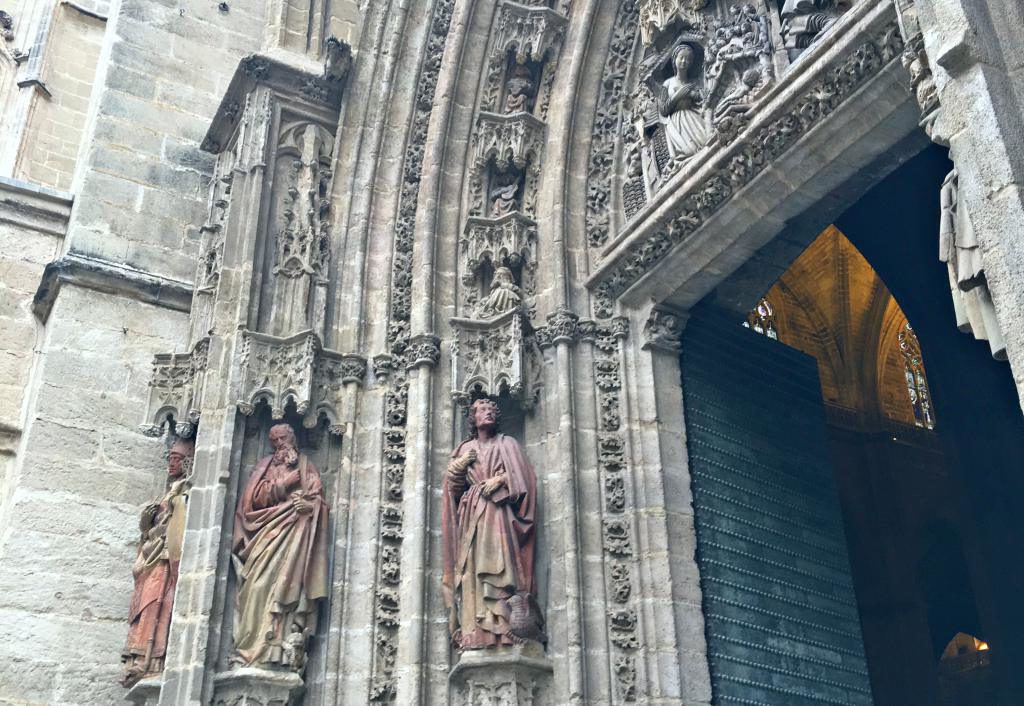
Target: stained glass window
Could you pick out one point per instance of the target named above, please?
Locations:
(762, 319)
(917, 383)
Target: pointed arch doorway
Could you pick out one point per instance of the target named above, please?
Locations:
(891, 445)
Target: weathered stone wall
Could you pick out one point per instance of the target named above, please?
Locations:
(50, 145)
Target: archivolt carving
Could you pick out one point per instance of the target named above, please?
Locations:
(392, 365)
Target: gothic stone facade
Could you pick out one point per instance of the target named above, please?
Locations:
(214, 217)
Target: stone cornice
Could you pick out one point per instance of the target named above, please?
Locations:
(104, 276)
(301, 85)
(34, 207)
(861, 44)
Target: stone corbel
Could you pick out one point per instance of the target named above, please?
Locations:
(663, 331)
(258, 687)
(176, 391)
(516, 676)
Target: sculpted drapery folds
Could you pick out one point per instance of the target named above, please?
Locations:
(155, 571)
(680, 104)
(489, 507)
(280, 556)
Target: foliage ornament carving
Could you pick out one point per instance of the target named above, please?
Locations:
(740, 162)
(391, 365)
(663, 331)
(607, 121)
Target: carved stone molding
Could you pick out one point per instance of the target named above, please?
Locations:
(803, 21)
(607, 123)
(657, 15)
(509, 240)
(529, 31)
(767, 138)
(257, 687)
(510, 676)
(176, 391)
(492, 356)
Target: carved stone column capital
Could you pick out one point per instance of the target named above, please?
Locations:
(424, 349)
(563, 325)
(353, 368)
(663, 331)
(383, 366)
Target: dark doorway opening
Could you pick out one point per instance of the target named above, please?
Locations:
(925, 437)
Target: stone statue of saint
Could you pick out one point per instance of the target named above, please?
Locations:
(162, 525)
(489, 507)
(503, 198)
(958, 248)
(280, 556)
(679, 103)
(504, 295)
(518, 90)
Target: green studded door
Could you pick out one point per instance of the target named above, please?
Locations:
(781, 616)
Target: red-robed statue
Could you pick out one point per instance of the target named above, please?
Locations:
(280, 555)
(162, 525)
(489, 508)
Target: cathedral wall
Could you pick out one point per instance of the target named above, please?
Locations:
(83, 471)
(54, 135)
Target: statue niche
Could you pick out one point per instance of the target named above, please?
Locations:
(280, 555)
(488, 515)
(162, 527)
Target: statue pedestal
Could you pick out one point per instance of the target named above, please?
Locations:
(517, 676)
(257, 687)
(145, 692)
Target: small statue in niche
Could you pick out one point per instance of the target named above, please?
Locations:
(519, 90)
(280, 556)
(504, 296)
(489, 507)
(504, 196)
(679, 104)
(155, 570)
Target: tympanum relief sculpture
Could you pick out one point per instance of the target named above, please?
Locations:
(488, 515)
(279, 551)
(697, 80)
(162, 527)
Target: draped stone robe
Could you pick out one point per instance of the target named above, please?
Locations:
(156, 576)
(280, 558)
(488, 542)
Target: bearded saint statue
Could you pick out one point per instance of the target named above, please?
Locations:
(162, 527)
(489, 507)
(280, 555)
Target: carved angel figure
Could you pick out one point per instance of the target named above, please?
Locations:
(679, 103)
